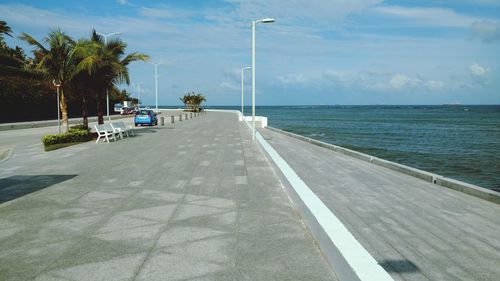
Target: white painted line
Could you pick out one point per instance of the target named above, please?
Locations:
(347, 256)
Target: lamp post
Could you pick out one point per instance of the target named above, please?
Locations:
(106, 43)
(156, 82)
(266, 20)
(138, 96)
(242, 88)
(58, 85)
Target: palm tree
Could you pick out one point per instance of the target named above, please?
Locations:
(192, 101)
(197, 100)
(4, 29)
(106, 67)
(57, 61)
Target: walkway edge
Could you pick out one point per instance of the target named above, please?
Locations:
(349, 260)
(467, 188)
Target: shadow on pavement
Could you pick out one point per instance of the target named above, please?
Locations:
(145, 130)
(17, 186)
(399, 266)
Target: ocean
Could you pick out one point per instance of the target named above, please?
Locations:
(457, 141)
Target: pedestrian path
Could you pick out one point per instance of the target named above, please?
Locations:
(414, 229)
(194, 200)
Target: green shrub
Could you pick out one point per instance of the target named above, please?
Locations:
(78, 127)
(77, 133)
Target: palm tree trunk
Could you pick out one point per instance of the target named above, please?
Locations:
(85, 113)
(64, 111)
(100, 112)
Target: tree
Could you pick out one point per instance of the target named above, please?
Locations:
(103, 62)
(4, 29)
(57, 62)
(192, 101)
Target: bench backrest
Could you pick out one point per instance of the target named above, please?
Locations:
(108, 127)
(120, 125)
(100, 128)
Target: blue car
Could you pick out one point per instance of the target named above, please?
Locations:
(145, 117)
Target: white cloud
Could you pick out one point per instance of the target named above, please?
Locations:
(435, 85)
(400, 81)
(155, 12)
(166, 12)
(299, 12)
(228, 86)
(427, 16)
(483, 2)
(486, 31)
(124, 2)
(293, 79)
(208, 45)
(477, 71)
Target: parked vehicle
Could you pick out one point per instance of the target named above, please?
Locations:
(126, 110)
(119, 107)
(145, 117)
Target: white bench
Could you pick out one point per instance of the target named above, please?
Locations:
(104, 132)
(120, 128)
(110, 128)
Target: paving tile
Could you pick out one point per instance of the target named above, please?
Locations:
(198, 201)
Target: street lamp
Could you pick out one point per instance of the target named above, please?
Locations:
(106, 43)
(138, 96)
(242, 88)
(58, 85)
(266, 20)
(156, 81)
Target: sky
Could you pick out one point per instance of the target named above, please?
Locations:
(318, 52)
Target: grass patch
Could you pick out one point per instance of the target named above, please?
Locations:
(76, 135)
(51, 147)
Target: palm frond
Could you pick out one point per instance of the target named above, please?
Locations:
(134, 57)
(33, 42)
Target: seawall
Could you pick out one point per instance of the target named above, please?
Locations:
(457, 185)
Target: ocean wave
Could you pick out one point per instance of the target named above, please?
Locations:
(316, 135)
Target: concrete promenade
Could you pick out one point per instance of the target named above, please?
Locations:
(414, 229)
(194, 200)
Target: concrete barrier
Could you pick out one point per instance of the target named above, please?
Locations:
(467, 188)
(348, 258)
(50, 123)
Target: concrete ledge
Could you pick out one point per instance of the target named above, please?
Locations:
(260, 121)
(49, 123)
(348, 258)
(470, 189)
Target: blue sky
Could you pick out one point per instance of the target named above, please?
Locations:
(317, 52)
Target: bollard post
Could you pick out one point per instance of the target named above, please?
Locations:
(180, 117)
(191, 115)
(186, 116)
(172, 119)
(162, 121)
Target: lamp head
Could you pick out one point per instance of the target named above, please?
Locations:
(267, 20)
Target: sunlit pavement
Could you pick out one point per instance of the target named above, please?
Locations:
(193, 200)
